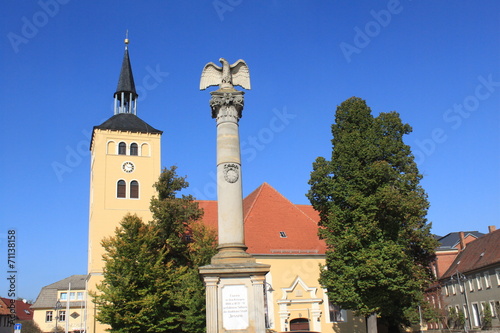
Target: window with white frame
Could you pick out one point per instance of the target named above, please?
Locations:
(493, 309)
(62, 315)
(333, 312)
(48, 316)
(471, 285)
(63, 296)
(121, 189)
(72, 296)
(476, 315)
(134, 149)
(487, 280)
(478, 282)
(497, 273)
(79, 295)
(134, 189)
(336, 313)
(122, 148)
(466, 312)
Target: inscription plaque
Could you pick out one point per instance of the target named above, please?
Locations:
(235, 307)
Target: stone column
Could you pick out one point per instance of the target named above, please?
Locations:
(234, 280)
(211, 283)
(227, 106)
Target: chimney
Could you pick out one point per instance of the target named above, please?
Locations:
(491, 228)
(462, 240)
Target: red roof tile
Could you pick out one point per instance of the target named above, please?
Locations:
(482, 252)
(274, 225)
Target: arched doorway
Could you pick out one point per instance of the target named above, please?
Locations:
(299, 324)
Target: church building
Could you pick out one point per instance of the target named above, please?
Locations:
(126, 162)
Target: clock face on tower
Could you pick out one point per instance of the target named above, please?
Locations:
(128, 167)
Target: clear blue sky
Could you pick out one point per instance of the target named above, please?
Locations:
(435, 62)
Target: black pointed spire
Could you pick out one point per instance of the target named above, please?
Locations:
(126, 95)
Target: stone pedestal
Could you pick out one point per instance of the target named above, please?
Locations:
(234, 281)
(235, 297)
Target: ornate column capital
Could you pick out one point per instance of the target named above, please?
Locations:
(227, 104)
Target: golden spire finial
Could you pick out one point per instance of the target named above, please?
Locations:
(126, 38)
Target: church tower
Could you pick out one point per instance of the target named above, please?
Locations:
(125, 163)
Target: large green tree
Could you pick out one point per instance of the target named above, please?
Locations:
(372, 216)
(151, 281)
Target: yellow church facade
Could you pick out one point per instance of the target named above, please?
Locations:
(126, 162)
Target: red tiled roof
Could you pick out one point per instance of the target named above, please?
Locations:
(274, 225)
(23, 311)
(210, 212)
(4, 308)
(309, 211)
(478, 254)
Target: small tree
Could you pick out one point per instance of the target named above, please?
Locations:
(452, 318)
(461, 320)
(151, 281)
(430, 314)
(487, 317)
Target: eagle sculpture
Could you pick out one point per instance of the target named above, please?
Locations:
(227, 76)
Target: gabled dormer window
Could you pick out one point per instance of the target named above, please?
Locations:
(282, 234)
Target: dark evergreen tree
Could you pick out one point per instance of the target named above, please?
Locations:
(372, 216)
(151, 281)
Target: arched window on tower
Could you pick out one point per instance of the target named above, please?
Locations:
(145, 149)
(121, 189)
(134, 189)
(111, 148)
(134, 149)
(122, 148)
